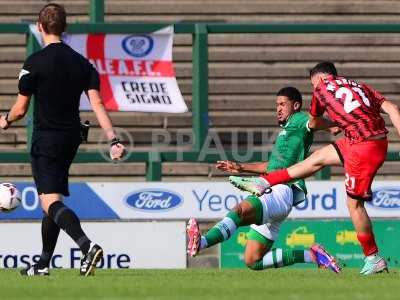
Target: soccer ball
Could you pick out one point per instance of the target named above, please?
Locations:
(10, 197)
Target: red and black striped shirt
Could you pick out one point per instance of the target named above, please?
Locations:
(355, 107)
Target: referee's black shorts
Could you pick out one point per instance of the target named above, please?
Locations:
(52, 153)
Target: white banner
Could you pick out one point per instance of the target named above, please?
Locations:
(125, 245)
(136, 70)
(212, 200)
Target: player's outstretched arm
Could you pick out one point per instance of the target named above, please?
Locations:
(236, 167)
(117, 149)
(394, 114)
(320, 123)
(17, 112)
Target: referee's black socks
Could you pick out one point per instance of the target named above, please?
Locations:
(50, 232)
(67, 220)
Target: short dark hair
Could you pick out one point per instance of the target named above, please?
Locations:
(53, 18)
(291, 93)
(325, 67)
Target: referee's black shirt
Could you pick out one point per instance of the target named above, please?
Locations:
(57, 76)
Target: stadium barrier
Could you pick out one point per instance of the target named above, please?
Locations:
(159, 211)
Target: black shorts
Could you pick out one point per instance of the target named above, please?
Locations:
(52, 153)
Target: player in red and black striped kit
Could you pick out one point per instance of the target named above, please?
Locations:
(355, 109)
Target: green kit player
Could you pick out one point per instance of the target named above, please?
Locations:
(265, 214)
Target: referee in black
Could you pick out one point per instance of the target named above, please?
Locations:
(57, 76)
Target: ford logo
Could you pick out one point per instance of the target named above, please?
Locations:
(153, 200)
(138, 45)
(388, 198)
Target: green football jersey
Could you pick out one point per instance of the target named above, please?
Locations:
(292, 146)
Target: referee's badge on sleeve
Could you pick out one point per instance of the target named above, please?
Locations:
(22, 73)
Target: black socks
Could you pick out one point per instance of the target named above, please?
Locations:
(50, 231)
(67, 220)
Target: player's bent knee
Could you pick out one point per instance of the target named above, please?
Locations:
(256, 248)
(242, 209)
(251, 260)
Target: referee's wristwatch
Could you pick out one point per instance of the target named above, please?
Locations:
(115, 141)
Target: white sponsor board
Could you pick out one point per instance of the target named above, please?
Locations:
(327, 199)
(125, 244)
(212, 200)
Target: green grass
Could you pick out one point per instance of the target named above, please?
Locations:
(288, 284)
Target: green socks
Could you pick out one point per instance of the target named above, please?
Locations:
(224, 229)
(278, 258)
(221, 231)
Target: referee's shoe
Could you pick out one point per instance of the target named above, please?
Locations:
(90, 260)
(35, 270)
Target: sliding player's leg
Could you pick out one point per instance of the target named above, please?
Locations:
(326, 156)
(272, 207)
(277, 206)
(254, 210)
(259, 256)
(247, 212)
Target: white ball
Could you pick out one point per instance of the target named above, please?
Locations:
(10, 197)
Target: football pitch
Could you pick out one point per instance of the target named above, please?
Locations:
(201, 284)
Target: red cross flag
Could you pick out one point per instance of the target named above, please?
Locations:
(136, 70)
